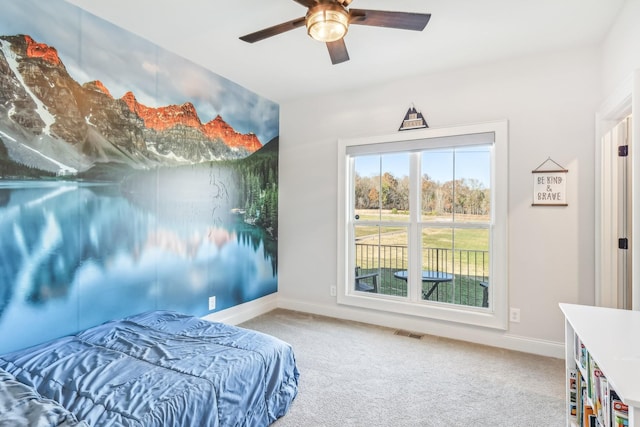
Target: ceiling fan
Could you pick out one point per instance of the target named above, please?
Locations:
(328, 21)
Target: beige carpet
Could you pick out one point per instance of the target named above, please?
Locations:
(352, 374)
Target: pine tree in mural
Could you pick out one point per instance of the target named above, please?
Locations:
(260, 188)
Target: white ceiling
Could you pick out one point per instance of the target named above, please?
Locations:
(292, 65)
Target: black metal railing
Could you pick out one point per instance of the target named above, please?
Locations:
(469, 269)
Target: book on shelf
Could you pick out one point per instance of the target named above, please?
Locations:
(582, 399)
(573, 392)
(619, 411)
(587, 413)
(598, 381)
(605, 402)
(581, 352)
(594, 421)
(592, 372)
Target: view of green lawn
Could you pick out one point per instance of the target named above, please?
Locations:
(462, 252)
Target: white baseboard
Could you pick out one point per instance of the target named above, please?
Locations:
(461, 332)
(243, 312)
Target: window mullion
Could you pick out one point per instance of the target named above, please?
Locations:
(415, 246)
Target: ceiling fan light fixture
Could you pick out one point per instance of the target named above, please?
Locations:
(327, 22)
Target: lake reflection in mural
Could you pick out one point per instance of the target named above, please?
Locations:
(77, 254)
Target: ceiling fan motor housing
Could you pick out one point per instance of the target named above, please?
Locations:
(327, 21)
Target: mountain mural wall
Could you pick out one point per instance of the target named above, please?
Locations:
(74, 126)
(124, 185)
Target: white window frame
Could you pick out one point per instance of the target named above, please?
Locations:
(495, 316)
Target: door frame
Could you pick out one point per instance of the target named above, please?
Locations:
(619, 105)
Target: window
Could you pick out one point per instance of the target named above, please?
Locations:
(422, 226)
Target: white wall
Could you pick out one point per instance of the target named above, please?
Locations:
(621, 51)
(549, 101)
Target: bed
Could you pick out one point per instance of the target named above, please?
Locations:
(22, 406)
(162, 368)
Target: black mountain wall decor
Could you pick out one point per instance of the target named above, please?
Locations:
(413, 119)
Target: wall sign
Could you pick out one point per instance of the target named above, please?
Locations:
(413, 119)
(549, 185)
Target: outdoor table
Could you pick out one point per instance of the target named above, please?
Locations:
(428, 276)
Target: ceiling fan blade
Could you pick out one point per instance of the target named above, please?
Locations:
(338, 51)
(273, 31)
(381, 18)
(306, 3)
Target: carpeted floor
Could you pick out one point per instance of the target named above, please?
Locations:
(353, 374)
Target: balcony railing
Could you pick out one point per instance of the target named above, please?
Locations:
(377, 264)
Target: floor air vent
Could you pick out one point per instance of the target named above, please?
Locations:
(403, 333)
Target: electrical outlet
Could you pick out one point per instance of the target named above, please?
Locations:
(333, 291)
(212, 303)
(514, 315)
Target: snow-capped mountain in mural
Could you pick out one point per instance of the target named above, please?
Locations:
(50, 122)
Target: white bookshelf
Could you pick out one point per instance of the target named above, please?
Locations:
(612, 339)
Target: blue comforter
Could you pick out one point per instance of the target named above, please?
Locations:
(163, 369)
